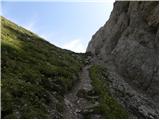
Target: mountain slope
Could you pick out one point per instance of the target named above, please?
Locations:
(116, 78)
(35, 74)
(128, 46)
(40, 80)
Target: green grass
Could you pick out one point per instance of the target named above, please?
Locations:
(108, 107)
(35, 74)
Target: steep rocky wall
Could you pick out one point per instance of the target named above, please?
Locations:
(128, 45)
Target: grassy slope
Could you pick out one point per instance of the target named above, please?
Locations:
(35, 74)
(108, 107)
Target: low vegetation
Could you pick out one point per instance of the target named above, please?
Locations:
(108, 106)
(35, 74)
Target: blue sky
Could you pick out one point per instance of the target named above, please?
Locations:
(68, 24)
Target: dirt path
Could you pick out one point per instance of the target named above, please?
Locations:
(74, 104)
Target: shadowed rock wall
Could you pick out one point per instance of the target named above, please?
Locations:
(128, 44)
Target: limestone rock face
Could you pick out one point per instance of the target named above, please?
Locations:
(128, 45)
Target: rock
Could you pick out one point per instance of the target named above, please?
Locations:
(94, 98)
(89, 95)
(128, 46)
(96, 116)
(82, 93)
(90, 109)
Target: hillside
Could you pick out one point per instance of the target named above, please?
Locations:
(40, 80)
(35, 74)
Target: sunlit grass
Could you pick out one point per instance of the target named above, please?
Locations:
(35, 74)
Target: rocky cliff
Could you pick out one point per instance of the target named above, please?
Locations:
(128, 46)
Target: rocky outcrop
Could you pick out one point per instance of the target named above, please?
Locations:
(128, 45)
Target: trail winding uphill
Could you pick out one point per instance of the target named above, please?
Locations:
(74, 105)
